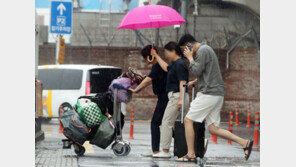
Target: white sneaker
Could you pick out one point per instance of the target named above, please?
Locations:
(206, 146)
(147, 154)
(162, 155)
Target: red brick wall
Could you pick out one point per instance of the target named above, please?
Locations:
(242, 81)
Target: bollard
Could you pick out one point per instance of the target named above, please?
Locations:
(256, 129)
(230, 125)
(60, 111)
(236, 114)
(132, 125)
(214, 139)
(249, 116)
(60, 129)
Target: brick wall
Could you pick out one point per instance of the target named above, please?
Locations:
(242, 81)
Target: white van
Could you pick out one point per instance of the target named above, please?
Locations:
(63, 84)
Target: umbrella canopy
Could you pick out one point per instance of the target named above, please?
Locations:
(151, 16)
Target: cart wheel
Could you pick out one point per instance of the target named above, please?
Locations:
(124, 150)
(120, 152)
(201, 162)
(80, 151)
(128, 149)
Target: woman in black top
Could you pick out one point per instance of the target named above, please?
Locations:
(177, 76)
(158, 78)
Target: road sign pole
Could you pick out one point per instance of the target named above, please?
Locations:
(57, 49)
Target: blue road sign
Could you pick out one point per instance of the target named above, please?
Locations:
(61, 17)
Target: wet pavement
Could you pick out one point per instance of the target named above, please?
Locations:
(49, 152)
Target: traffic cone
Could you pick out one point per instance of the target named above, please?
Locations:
(132, 125)
(215, 139)
(60, 129)
(236, 114)
(256, 129)
(230, 125)
(60, 111)
(212, 138)
(249, 116)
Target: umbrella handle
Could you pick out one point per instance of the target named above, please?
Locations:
(150, 60)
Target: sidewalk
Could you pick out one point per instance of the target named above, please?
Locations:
(50, 153)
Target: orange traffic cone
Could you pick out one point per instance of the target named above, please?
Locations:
(132, 125)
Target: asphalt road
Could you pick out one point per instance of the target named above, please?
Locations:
(49, 152)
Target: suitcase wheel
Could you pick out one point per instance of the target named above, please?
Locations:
(201, 161)
(79, 150)
(120, 149)
(67, 143)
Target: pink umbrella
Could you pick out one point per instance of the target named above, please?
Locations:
(151, 16)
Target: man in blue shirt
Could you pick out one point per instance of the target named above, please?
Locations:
(158, 78)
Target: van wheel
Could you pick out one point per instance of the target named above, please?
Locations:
(64, 108)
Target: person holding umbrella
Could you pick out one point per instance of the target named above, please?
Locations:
(157, 16)
(158, 78)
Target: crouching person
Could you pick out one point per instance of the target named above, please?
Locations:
(209, 100)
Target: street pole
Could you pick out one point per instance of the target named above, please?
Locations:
(57, 49)
(184, 15)
(36, 44)
(195, 14)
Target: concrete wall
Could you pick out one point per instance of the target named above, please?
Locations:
(241, 82)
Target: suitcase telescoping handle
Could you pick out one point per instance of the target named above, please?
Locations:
(193, 86)
(183, 100)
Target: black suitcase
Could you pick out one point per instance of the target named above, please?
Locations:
(180, 145)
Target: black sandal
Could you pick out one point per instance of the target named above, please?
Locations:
(186, 158)
(249, 149)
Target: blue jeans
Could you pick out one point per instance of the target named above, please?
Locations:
(156, 120)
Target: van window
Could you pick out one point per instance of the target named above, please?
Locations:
(60, 79)
(101, 78)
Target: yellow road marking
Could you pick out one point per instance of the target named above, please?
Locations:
(49, 105)
(88, 147)
(46, 67)
(55, 67)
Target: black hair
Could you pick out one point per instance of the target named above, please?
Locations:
(146, 51)
(174, 46)
(185, 39)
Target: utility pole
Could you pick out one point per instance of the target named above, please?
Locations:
(126, 5)
(195, 14)
(36, 44)
(57, 49)
(184, 15)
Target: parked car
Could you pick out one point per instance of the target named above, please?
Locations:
(63, 84)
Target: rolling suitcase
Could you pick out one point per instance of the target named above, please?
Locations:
(180, 145)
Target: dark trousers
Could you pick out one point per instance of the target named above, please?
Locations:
(156, 120)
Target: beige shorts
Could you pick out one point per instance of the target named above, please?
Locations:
(206, 107)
